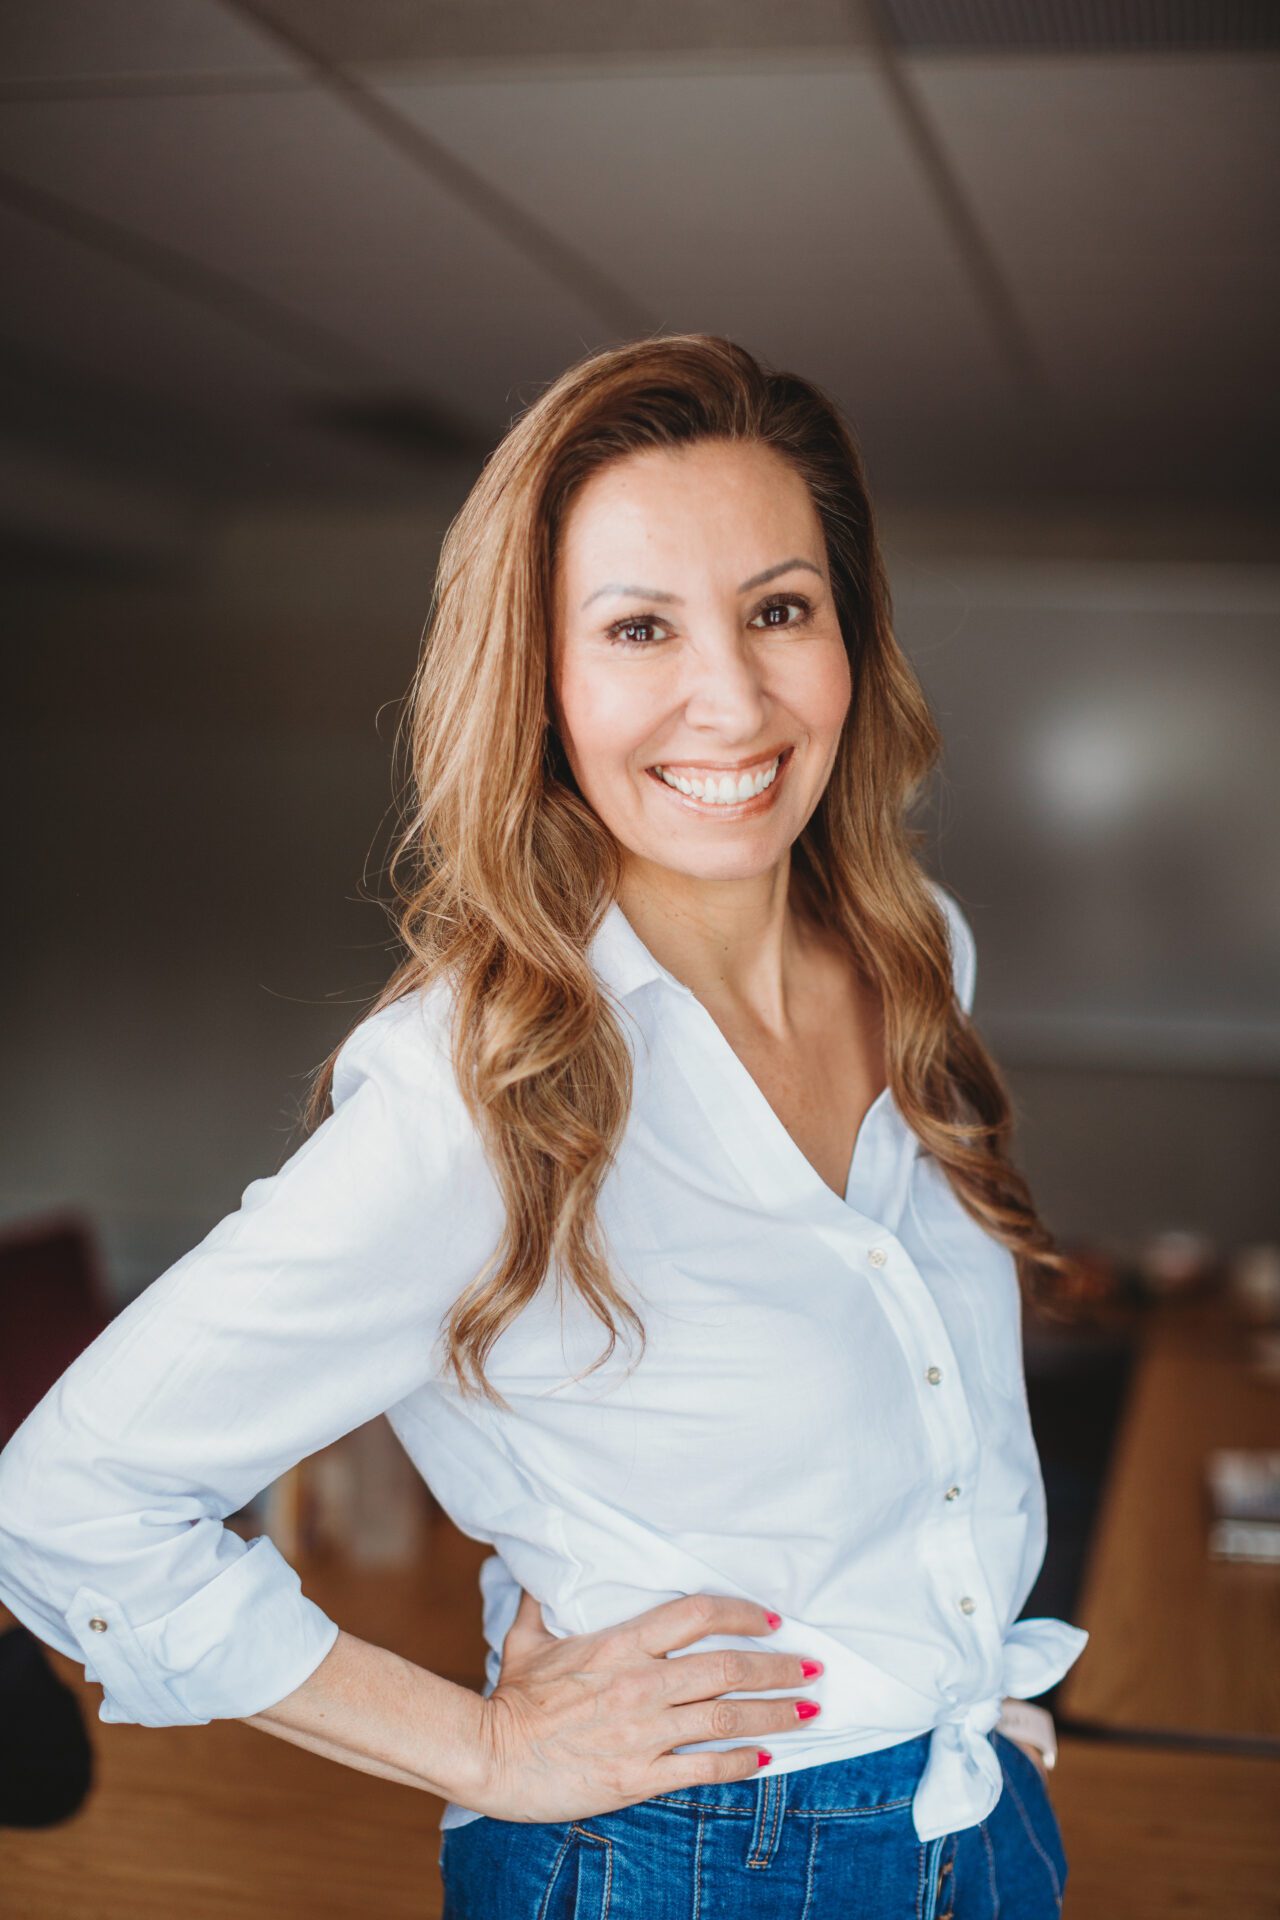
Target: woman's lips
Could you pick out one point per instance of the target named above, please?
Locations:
(730, 809)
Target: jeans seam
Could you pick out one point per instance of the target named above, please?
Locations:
(697, 1867)
(554, 1874)
(945, 1867)
(1034, 1838)
(764, 1801)
(601, 1840)
(773, 1796)
(810, 1863)
(814, 1813)
(703, 1806)
(927, 1880)
(991, 1870)
(856, 1813)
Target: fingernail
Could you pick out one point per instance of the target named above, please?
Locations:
(774, 1619)
(805, 1709)
(764, 1757)
(809, 1667)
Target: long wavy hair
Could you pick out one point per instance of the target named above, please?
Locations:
(501, 872)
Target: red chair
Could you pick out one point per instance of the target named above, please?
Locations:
(53, 1302)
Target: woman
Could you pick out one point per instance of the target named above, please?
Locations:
(682, 1025)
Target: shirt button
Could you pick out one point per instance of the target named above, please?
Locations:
(933, 1376)
(877, 1256)
(967, 1603)
(952, 1493)
(99, 1626)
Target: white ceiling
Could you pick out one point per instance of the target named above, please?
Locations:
(1028, 276)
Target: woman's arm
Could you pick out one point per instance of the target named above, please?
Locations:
(309, 1311)
(373, 1710)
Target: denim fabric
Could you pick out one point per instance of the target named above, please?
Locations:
(818, 1843)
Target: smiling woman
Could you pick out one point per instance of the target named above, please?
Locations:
(682, 1037)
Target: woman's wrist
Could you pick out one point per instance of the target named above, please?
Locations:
(374, 1710)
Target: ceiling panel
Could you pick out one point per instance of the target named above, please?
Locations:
(1131, 207)
(112, 40)
(87, 310)
(793, 179)
(1153, 26)
(782, 207)
(293, 198)
(399, 30)
(153, 386)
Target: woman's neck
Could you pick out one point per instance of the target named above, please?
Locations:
(742, 943)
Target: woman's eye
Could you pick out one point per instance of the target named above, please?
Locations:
(780, 606)
(622, 630)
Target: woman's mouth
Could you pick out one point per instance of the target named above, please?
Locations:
(709, 790)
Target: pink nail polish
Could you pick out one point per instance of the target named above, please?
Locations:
(805, 1709)
(809, 1667)
(774, 1619)
(764, 1757)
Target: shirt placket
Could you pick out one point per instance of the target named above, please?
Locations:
(946, 1541)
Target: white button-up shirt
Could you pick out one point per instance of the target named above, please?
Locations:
(830, 1416)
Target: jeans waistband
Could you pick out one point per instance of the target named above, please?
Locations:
(862, 1783)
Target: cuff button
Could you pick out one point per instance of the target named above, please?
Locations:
(99, 1626)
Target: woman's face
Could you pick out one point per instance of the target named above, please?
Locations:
(695, 632)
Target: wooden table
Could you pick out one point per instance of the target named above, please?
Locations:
(1168, 1787)
(1181, 1645)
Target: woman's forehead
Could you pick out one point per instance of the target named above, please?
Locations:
(711, 507)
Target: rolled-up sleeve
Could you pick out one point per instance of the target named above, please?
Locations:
(309, 1310)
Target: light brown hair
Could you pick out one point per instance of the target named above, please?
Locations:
(501, 872)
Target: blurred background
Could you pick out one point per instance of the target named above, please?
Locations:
(278, 274)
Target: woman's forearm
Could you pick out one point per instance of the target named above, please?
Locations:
(373, 1710)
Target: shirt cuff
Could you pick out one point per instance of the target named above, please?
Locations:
(234, 1647)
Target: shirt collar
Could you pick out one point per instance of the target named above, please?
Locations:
(621, 959)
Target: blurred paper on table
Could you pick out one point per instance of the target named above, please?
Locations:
(1244, 1492)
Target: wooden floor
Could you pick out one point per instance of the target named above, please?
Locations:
(224, 1822)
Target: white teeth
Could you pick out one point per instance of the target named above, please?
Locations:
(721, 790)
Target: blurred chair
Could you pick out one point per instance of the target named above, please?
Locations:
(53, 1302)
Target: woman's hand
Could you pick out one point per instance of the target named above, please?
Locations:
(586, 1724)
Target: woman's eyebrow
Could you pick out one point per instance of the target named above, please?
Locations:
(656, 593)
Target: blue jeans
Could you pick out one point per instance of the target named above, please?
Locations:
(820, 1843)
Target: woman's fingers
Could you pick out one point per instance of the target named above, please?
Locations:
(728, 1720)
(678, 1623)
(700, 1676)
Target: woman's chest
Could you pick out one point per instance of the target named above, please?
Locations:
(819, 1086)
(763, 1374)
(781, 1372)
(790, 1342)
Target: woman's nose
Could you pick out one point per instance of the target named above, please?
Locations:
(724, 689)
